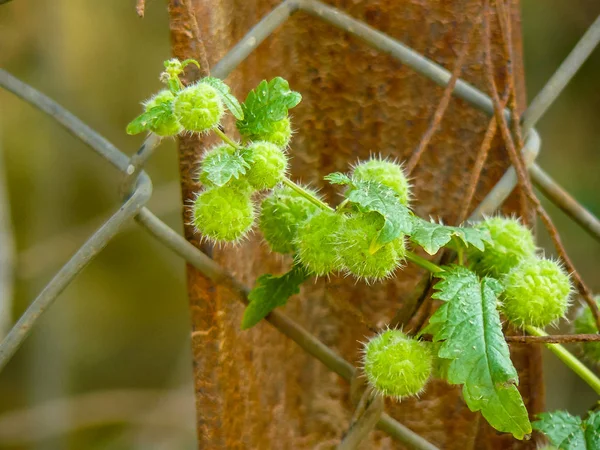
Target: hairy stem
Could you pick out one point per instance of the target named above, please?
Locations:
(422, 262)
(304, 193)
(226, 138)
(566, 357)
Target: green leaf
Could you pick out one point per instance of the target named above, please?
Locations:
(592, 430)
(473, 236)
(469, 325)
(220, 170)
(338, 178)
(266, 104)
(270, 292)
(146, 120)
(562, 429)
(230, 101)
(433, 236)
(372, 196)
(568, 432)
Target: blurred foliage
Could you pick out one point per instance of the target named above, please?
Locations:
(124, 324)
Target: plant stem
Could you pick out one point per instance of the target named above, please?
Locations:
(341, 206)
(226, 138)
(424, 263)
(304, 193)
(566, 357)
(460, 252)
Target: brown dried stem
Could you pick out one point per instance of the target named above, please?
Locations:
(440, 110)
(522, 176)
(555, 339)
(482, 155)
(504, 18)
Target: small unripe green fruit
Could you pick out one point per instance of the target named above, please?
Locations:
(167, 125)
(387, 173)
(281, 214)
(511, 242)
(279, 133)
(268, 164)
(355, 242)
(317, 244)
(396, 365)
(198, 107)
(586, 324)
(223, 214)
(536, 293)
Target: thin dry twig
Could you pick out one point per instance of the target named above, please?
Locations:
(555, 339)
(522, 176)
(201, 49)
(480, 160)
(484, 149)
(440, 110)
(551, 339)
(503, 12)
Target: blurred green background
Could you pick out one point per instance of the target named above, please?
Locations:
(109, 365)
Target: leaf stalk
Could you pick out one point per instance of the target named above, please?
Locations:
(304, 193)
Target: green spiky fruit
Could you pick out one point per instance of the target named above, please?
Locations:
(278, 133)
(511, 242)
(268, 164)
(317, 244)
(198, 107)
(223, 214)
(357, 252)
(585, 324)
(387, 173)
(167, 125)
(396, 365)
(536, 292)
(281, 214)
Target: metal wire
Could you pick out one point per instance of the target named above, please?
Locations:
(559, 80)
(561, 198)
(69, 271)
(133, 205)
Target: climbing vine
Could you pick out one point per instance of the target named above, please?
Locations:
(370, 235)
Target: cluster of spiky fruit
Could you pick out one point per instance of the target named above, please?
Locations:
(536, 290)
(294, 220)
(327, 241)
(323, 240)
(227, 213)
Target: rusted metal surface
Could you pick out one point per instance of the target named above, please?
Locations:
(254, 388)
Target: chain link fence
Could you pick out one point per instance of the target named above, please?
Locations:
(136, 187)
